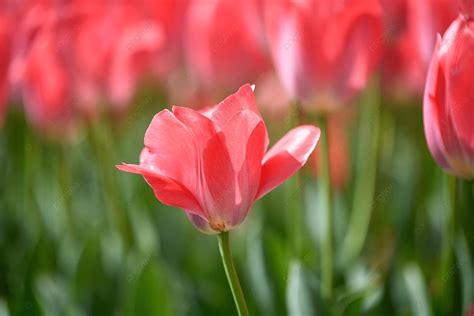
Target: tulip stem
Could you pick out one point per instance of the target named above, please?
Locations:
(231, 273)
(327, 255)
(363, 203)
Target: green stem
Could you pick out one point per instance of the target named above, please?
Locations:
(448, 261)
(296, 196)
(327, 255)
(455, 199)
(66, 184)
(468, 215)
(231, 273)
(115, 212)
(366, 172)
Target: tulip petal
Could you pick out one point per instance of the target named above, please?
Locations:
(172, 193)
(249, 175)
(221, 195)
(433, 110)
(287, 156)
(174, 149)
(460, 62)
(198, 125)
(237, 131)
(243, 99)
(167, 190)
(200, 223)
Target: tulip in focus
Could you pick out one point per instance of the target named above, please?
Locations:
(449, 99)
(215, 165)
(324, 51)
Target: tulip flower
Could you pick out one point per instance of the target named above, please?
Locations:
(39, 71)
(324, 51)
(213, 164)
(449, 100)
(408, 40)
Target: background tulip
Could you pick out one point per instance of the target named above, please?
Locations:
(39, 68)
(218, 196)
(217, 36)
(324, 51)
(449, 99)
(62, 79)
(410, 29)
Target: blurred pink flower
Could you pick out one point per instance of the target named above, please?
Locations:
(213, 164)
(409, 38)
(38, 68)
(449, 99)
(115, 46)
(224, 44)
(170, 14)
(70, 58)
(5, 47)
(272, 99)
(324, 51)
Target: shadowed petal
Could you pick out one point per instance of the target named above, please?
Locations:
(220, 179)
(167, 190)
(237, 132)
(249, 175)
(198, 125)
(174, 149)
(433, 115)
(200, 223)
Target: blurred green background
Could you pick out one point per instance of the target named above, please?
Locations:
(78, 237)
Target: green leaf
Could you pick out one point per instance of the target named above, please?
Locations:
(298, 296)
(152, 296)
(259, 279)
(416, 288)
(465, 270)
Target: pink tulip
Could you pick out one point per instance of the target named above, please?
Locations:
(324, 51)
(409, 38)
(449, 100)
(223, 43)
(272, 99)
(126, 41)
(70, 57)
(169, 14)
(38, 70)
(213, 164)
